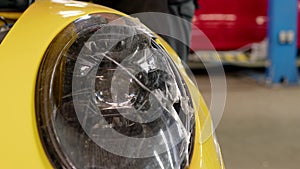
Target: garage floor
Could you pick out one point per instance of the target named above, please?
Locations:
(260, 128)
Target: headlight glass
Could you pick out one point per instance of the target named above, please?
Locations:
(108, 96)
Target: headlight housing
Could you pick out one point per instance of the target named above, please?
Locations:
(109, 96)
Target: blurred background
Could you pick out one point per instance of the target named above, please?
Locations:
(257, 43)
(260, 126)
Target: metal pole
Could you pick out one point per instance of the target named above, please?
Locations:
(282, 34)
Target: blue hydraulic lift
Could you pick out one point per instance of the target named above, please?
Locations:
(282, 33)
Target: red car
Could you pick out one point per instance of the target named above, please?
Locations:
(230, 24)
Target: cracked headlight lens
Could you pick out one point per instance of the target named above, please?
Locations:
(108, 96)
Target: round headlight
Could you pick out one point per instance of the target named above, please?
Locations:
(108, 96)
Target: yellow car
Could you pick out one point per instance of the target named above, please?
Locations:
(87, 87)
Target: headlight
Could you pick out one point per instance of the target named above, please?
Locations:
(108, 96)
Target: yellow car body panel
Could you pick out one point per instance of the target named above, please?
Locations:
(11, 15)
(21, 53)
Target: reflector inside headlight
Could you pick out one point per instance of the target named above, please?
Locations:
(108, 96)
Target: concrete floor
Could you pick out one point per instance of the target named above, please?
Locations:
(260, 128)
